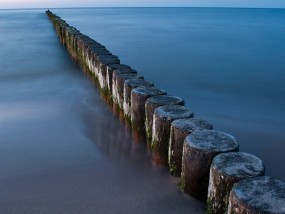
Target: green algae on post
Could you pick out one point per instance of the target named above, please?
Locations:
(152, 103)
(179, 130)
(162, 118)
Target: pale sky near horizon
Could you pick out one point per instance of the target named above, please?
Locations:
(6, 4)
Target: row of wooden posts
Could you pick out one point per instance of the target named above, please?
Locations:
(209, 162)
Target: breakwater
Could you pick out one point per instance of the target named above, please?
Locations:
(166, 138)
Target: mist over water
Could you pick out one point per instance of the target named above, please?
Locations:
(61, 149)
(228, 65)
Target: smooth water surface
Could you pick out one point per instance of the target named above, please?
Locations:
(61, 149)
(228, 65)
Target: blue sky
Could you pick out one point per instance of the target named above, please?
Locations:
(145, 3)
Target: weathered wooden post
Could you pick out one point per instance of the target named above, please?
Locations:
(119, 81)
(109, 74)
(199, 149)
(139, 96)
(117, 72)
(104, 60)
(92, 59)
(226, 170)
(129, 85)
(162, 118)
(179, 130)
(260, 195)
(152, 103)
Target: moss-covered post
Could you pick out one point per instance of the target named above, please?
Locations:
(119, 86)
(179, 130)
(87, 49)
(129, 85)
(117, 72)
(226, 170)
(139, 96)
(109, 74)
(199, 149)
(61, 30)
(162, 118)
(95, 52)
(103, 60)
(152, 103)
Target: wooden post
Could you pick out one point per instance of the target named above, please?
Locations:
(199, 149)
(154, 102)
(162, 118)
(129, 85)
(179, 130)
(226, 170)
(139, 96)
(260, 195)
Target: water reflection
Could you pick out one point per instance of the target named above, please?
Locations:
(118, 140)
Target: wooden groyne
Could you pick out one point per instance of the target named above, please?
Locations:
(208, 161)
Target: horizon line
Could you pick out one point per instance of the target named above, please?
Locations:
(102, 7)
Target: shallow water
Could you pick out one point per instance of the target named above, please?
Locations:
(61, 148)
(228, 65)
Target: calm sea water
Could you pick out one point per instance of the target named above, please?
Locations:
(228, 65)
(62, 150)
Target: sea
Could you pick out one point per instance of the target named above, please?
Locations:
(62, 150)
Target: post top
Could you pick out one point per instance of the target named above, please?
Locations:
(191, 124)
(116, 66)
(136, 82)
(148, 91)
(172, 112)
(238, 164)
(165, 100)
(212, 141)
(264, 194)
(123, 70)
(106, 57)
(126, 76)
